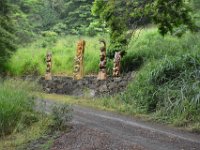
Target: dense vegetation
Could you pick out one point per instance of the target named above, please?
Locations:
(123, 16)
(168, 81)
(17, 106)
(22, 119)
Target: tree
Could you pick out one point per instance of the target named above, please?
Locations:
(121, 16)
(170, 14)
(78, 15)
(48, 14)
(196, 6)
(7, 38)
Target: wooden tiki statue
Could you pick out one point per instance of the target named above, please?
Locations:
(78, 60)
(102, 65)
(117, 64)
(48, 75)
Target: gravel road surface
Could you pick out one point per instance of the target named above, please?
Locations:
(100, 130)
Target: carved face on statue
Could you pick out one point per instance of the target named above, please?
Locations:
(48, 57)
(117, 57)
(78, 60)
(80, 47)
(102, 65)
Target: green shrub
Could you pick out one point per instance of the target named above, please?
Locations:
(61, 116)
(16, 105)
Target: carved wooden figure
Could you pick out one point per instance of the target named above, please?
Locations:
(102, 66)
(117, 64)
(78, 60)
(48, 75)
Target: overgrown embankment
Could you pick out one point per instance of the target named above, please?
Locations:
(167, 83)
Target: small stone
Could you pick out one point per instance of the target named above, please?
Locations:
(92, 93)
(112, 85)
(123, 83)
(103, 88)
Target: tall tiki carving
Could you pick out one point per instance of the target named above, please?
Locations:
(117, 64)
(102, 65)
(48, 75)
(78, 60)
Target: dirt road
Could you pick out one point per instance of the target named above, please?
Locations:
(99, 130)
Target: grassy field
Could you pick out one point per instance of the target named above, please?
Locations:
(31, 59)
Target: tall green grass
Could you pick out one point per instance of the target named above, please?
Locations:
(31, 59)
(16, 106)
(167, 83)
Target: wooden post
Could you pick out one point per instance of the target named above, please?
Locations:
(78, 60)
(102, 66)
(48, 75)
(117, 64)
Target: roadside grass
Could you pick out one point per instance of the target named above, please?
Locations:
(167, 83)
(16, 106)
(102, 103)
(21, 139)
(76, 100)
(112, 104)
(22, 117)
(19, 122)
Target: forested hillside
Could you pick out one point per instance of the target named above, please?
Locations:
(32, 17)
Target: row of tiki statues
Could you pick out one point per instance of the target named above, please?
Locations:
(78, 63)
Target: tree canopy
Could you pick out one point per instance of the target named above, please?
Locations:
(120, 16)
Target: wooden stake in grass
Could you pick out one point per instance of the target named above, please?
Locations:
(49, 66)
(78, 67)
(102, 66)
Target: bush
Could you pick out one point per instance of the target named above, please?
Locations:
(16, 106)
(61, 116)
(60, 28)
